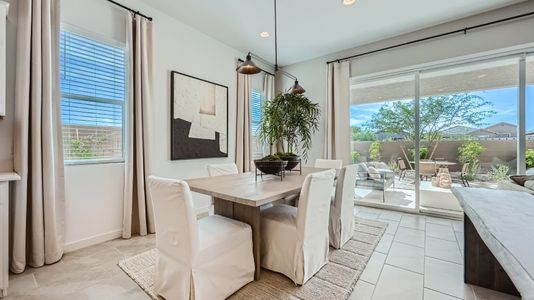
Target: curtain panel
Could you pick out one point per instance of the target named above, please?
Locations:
(38, 213)
(138, 210)
(243, 146)
(337, 112)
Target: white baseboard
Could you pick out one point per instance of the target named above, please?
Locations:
(90, 241)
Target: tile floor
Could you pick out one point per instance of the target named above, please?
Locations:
(418, 258)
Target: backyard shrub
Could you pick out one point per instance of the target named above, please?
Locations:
(423, 153)
(355, 156)
(469, 153)
(500, 172)
(530, 158)
(374, 151)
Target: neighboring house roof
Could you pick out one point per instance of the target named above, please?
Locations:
(482, 132)
(503, 128)
(458, 130)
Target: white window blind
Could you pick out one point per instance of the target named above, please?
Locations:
(255, 117)
(93, 95)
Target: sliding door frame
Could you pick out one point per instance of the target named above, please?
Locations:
(519, 53)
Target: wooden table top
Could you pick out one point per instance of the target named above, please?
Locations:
(243, 188)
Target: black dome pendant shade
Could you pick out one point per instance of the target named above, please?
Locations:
(297, 89)
(248, 67)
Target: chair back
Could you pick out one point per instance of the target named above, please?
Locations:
(222, 169)
(427, 168)
(465, 168)
(402, 165)
(176, 222)
(328, 163)
(344, 198)
(314, 206)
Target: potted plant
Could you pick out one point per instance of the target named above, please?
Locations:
(289, 120)
(271, 164)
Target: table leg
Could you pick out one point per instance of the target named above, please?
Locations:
(480, 265)
(246, 214)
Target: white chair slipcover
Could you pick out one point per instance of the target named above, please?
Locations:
(342, 208)
(328, 163)
(295, 241)
(206, 259)
(222, 169)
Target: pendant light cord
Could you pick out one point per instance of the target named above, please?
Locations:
(275, 40)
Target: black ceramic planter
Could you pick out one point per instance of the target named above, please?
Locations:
(292, 162)
(271, 167)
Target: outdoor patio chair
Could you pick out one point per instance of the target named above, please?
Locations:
(402, 167)
(463, 175)
(385, 179)
(427, 169)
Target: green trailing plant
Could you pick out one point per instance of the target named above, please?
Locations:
(469, 153)
(355, 156)
(393, 165)
(500, 172)
(79, 150)
(374, 151)
(530, 158)
(291, 120)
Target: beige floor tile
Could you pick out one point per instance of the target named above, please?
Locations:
(373, 268)
(413, 221)
(439, 221)
(446, 277)
(385, 243)
(433, 295)
(407, 257)
(440, 231)
(444, 250)
(392, 226)
(362, 291)
(398, 284)
(390, 215)
(410, 236)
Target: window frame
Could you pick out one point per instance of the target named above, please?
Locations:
(113, 43)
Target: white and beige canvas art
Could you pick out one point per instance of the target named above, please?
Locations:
(199, 124)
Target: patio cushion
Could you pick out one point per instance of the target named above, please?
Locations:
(380, 165)
(362, 168)
(373, 173)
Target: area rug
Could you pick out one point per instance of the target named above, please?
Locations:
(335, 280)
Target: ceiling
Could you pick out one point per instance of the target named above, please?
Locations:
(312, 28)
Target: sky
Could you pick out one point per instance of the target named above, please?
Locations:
(504, 103)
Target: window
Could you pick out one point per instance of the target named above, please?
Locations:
(93, 96)
(256, 98)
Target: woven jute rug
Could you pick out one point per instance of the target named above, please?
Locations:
(335, 280)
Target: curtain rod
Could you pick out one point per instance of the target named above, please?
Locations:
(135, 12)
(463, 30)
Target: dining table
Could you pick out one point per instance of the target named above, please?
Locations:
(241, 197)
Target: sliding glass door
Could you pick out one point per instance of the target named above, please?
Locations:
(416, 135)
(468, 121)
(383, 141)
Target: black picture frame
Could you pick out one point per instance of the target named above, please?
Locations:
(183, 147)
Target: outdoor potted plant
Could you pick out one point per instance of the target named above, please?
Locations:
(289, 122)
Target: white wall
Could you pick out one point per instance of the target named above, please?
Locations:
(312, 73)
(94, 192)
(6, 123)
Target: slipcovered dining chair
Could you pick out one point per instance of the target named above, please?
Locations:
(295, 241)
(342, 208)
(222, 169)
(328, 163)
(206, 259)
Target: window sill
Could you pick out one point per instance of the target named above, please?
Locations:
(93, 162)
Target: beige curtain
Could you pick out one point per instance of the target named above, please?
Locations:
(138, 212)
(243, 145)
(337, 112)
(39, 198)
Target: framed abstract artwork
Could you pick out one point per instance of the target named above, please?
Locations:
(199, 118)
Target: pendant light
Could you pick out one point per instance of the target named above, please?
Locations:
(248, 67)
(297, 89)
